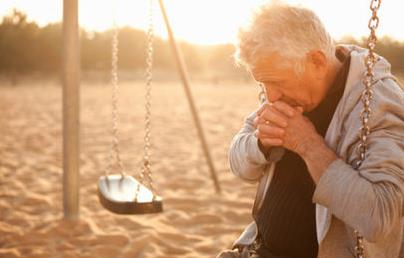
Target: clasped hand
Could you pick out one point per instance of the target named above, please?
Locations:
(279, 124)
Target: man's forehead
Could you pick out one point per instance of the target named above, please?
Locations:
(265, 73)
(268, 66)
(267, 59)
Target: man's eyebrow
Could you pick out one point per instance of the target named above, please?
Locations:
(267, 77)
(271, 75)
(271, 80)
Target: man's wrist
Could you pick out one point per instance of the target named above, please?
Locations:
(311, 143)
(318, 157)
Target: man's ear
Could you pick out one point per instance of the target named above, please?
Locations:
(317, 60)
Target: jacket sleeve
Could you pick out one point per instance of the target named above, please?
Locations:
(245, 158)
(370, 199)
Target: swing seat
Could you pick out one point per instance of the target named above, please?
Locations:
(117, 194)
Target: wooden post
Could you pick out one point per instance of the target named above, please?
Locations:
(185, 81)
(70, 78)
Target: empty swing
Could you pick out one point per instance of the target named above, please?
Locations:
(118, 192)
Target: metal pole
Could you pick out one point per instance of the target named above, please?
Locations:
(185, 81)
(70, 78)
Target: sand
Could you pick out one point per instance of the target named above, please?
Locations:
(196, 221)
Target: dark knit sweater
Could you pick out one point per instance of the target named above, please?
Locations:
(286, 221)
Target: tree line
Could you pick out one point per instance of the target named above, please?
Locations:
(26, 48)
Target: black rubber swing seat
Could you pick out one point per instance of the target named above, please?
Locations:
(118, 194)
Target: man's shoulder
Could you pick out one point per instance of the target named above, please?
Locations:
(387, 105)
(388, 99)
(387, 90)
(390, 88)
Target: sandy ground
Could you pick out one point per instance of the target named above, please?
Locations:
(196, 222)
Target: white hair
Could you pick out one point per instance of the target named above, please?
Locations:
(289, 31)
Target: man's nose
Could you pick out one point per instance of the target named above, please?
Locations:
(273, 95)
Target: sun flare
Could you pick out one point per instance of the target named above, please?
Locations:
(208, 21)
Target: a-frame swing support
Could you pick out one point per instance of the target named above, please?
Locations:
(71, 99)
(185, 81)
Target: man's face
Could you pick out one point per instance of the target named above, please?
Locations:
(282, 83)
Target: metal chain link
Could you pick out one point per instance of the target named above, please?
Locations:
(146, 172)
(115, 153)
(367, 96)
(262, 97)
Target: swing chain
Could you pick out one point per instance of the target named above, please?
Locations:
(262, 97)
(115, 149)
(146, 167)
(366, 97)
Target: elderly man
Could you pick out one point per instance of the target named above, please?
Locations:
(316, 198)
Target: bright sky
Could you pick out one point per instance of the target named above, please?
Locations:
(211, 21)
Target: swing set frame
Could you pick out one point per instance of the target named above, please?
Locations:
(71, 74)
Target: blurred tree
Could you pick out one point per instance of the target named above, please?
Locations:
(48, 49)
(95, 50)
(27, 48)
(17, 45)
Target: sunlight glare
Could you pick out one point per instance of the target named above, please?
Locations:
(209, 21)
